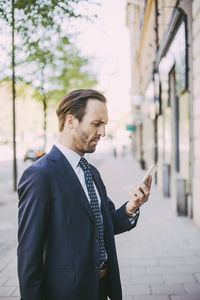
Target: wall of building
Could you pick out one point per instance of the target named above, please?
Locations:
(188, 175)
(196, 111)
(165, 8)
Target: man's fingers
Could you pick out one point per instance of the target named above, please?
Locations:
(138, 197)
(149, 181)
(144, 189)
(141, 194)
(138, 193)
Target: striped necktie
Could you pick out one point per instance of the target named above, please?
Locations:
(95, 207)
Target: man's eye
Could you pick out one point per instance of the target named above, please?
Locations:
(96, 124)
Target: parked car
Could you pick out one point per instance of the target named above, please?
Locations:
(33, 154)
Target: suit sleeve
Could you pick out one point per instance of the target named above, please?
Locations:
(33, 195)
(121, 221)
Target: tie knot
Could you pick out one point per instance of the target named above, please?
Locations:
(84, 164)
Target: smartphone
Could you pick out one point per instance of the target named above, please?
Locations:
(151, 172)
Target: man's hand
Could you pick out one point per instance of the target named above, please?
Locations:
(138, 196)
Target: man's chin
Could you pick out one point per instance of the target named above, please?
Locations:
(90, 149)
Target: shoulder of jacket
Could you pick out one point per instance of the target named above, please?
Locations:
(39, 168)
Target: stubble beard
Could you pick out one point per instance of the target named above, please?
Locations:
(82, 143)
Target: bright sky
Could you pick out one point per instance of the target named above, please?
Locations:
(107, 39)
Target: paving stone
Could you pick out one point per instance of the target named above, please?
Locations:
(192, 289)
(168, 289)
(197, 276)
(172, 261)
(6, 291)
(137, 289)
(155, 253)
(152, 297)
(160, 270)
(3, 279)
(146, 279)
(11, 269)
(125, 298)
(16, 292)
(196, 252)
(179, 278)
(12, 281)
(9, 298)
(185, 297)
(192, 268)
(192, 260)
(145, 262)
(129, 271)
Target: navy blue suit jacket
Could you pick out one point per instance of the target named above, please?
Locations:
(58, 248)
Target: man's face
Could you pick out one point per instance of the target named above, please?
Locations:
(88, 132)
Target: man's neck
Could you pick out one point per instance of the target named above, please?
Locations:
(68, 145)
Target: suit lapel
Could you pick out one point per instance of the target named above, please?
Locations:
(63, 167)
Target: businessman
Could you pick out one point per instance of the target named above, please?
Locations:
(67, 223)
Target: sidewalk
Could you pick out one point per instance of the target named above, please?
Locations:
(8, 242)
(159, 259)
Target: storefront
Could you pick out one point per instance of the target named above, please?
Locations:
(172, 117)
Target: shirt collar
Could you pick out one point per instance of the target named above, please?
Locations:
(70, 155)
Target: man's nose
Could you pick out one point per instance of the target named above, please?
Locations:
(102, 130)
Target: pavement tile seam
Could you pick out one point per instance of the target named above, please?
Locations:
(3, 281)
(150, 289)
(16, 292)
(5, 266)
(11, 281)
(168, 289)
(197, 277)
(4, 284)
(10, 254)
(6, 291)
(183, 278)
(152, 297)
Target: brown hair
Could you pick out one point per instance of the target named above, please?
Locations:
(74, 103)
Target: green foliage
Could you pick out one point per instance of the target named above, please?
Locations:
(71, 69)
(34, 13)
(45, 57)
(40, 40)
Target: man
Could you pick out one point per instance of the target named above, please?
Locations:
(67, 223)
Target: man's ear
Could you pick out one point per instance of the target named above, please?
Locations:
(70, 119)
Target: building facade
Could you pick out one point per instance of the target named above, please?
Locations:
(195, 138)
(165, 55)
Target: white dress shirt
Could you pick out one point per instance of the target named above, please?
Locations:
(74, 158)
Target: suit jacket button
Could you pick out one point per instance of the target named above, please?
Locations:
(96, 266)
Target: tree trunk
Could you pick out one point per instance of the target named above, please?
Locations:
(44, 102)
(13, 99)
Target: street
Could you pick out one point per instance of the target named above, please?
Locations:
(159, 259)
